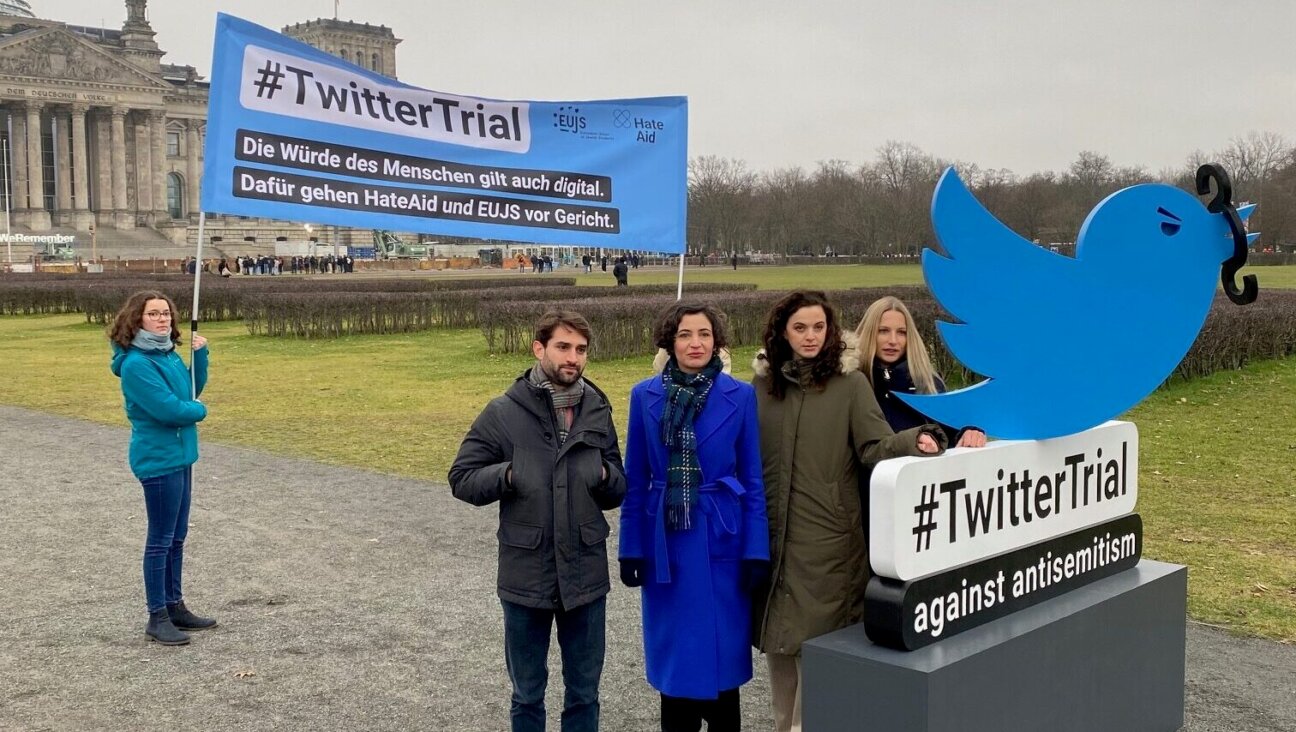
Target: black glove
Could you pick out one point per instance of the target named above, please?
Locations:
(753, 574)
(633, 572)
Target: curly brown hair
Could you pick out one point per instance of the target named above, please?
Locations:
(778, 351)
(130, 318)
(669, 319)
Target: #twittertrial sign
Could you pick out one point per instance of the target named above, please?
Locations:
(295, 133)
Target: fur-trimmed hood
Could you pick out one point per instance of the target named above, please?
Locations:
(659, 361)
(850, 357)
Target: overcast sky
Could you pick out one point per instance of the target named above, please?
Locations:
(1019, 84)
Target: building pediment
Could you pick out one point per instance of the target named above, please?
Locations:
(54, 54)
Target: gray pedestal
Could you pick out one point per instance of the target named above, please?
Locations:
(1108, 656)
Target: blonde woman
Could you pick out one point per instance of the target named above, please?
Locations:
(895, 360)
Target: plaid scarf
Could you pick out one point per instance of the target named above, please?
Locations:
(565, 399)
(686, 395)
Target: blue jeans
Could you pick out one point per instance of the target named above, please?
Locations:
(526, 654)
(166, 501)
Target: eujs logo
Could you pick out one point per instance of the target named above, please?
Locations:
(569, 119)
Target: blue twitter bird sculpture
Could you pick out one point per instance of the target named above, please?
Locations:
(1067, 344)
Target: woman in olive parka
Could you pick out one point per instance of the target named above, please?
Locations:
(820, 427)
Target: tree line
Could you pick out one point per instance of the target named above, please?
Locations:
(882, 208)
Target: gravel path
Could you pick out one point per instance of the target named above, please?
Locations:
(347, 600)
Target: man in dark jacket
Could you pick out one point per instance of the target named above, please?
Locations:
(547, 452)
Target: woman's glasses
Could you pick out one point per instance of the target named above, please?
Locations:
(158, 314)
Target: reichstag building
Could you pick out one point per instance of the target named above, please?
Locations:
(101, 137)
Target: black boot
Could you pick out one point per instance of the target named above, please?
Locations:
(163, 631)
(185, 620)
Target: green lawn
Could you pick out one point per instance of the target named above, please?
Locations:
(1217, 492)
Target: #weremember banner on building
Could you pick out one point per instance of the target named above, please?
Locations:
(295, 133)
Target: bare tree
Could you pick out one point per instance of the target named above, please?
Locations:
(719, 194)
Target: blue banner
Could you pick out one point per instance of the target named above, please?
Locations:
(294, 133)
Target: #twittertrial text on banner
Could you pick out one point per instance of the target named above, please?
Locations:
(294, 133)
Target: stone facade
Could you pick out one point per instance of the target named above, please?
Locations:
(98, 132)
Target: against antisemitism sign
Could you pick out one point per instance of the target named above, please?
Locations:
(976, 534)
(294, 133)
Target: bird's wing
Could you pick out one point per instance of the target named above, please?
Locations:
(1008, 293)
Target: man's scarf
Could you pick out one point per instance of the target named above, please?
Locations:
(686, 396)
(565, 399)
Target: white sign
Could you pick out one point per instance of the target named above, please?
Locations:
(929, 515)
(279, 83)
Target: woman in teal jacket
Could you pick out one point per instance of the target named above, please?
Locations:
(163, 413)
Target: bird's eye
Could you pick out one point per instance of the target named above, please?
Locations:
(1171, 227)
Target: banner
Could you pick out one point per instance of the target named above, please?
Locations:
(294, 133)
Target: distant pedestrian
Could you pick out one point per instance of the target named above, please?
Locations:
(546, 451)
(621, 272)
(164, 415)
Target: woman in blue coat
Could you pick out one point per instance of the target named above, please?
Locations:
(163, 413)
(693, 528)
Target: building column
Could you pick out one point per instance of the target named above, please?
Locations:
(103, 166)
(192, 173)
(39, 218)
(60, 124)
(18, 158)
(121, 217)
(81, 217)
(157, 126)
(143, 165)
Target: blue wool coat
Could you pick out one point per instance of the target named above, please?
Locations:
(696, 615)
(163, 417)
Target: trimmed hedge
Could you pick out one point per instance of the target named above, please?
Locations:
(1231, 337)
(505, 308)
(329, 315)
(99, 297)
(333, 314)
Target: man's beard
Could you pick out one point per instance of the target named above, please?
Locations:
(556, 374)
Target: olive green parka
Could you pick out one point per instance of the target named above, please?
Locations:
(816, 445)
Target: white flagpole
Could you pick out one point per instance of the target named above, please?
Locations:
(679, 289)
(193, 314)
(8, 201)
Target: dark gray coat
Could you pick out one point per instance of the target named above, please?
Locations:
(552, 533)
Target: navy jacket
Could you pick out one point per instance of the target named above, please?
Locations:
(895, 378)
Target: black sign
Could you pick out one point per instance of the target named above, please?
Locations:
(910, 615)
